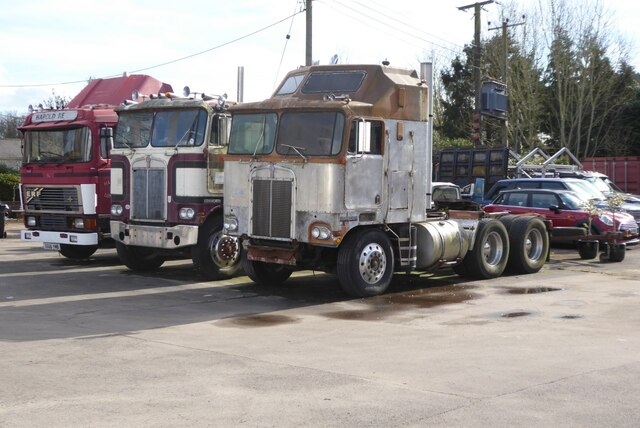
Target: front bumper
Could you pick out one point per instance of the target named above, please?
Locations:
(154, 236)
(68, 238)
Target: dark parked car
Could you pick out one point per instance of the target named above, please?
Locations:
(565, 209)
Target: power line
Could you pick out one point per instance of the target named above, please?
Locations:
(161, 64)
(396, 29)
(404, 23)
(284, 48)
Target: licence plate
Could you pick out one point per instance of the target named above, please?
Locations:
(52, 246)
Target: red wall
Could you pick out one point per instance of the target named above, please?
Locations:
(624, 171)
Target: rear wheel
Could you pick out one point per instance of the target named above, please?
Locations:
(77, 252)
(216, 256)
(365, 263)
(266, 273)
(139, 258)
(488, 257)
(528, 245)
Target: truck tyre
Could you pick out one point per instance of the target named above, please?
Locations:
(365, 263)
(139, 258)
(214, 256)
(77, 252)
(507, 221)
(266, 273)
(528, 245)
(489, 255)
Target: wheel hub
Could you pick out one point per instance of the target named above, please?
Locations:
(373, 263)
(225, 251)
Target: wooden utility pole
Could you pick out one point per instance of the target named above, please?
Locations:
(309, 54)
(505, 59)
(477, 78)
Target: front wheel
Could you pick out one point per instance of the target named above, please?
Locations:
(216, 256)
(77, 252)
(489, 255)
(365, 263)
(139, 258)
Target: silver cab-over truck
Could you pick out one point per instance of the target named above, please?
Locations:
(333, 173)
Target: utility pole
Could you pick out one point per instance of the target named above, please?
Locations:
(505, 59)
(309, 55)
(477, 81)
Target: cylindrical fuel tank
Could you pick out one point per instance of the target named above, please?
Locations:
(439, 240)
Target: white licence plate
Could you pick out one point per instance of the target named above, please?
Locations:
(52, 246)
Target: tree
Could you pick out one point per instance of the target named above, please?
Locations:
(9, 123)
(55, 101)
(456, 99)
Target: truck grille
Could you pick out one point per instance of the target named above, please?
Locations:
(55, 199)
(149, 199)
(272, 208)
(48, 222)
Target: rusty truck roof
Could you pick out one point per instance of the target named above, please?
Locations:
(367, 89)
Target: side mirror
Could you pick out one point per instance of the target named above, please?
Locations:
(106, 141)
(554, 208)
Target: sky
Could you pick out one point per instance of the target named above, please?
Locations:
(56, 46)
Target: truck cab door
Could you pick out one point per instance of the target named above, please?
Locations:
(216, 149)
(364, 166)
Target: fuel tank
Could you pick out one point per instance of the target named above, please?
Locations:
(439, 241)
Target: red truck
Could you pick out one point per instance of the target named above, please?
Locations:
(65, 174)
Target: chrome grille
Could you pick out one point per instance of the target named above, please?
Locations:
(149, 199)
(272, 208)
(61, 199)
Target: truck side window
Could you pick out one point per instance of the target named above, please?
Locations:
(219, 131)
(366, 136)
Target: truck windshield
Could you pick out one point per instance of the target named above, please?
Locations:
(71, 145)
(164, 128)
(252, 134)
(310, 133)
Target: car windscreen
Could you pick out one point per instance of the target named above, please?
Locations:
(572, 201)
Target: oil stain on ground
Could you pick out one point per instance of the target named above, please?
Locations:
(260, 320)
(534, 290)
(381, 307)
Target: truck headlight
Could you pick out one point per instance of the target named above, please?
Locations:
(320, 232)
(78, 223)
(230, 224)
(31, 221)
(187, 213)
(116, 209)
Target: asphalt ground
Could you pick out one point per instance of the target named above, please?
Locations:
(93, 344)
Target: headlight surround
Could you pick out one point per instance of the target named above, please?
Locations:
(230, 224)
(116, 209)
(187, 213)
(320, 232)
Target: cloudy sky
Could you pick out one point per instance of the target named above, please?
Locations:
(56, 46)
